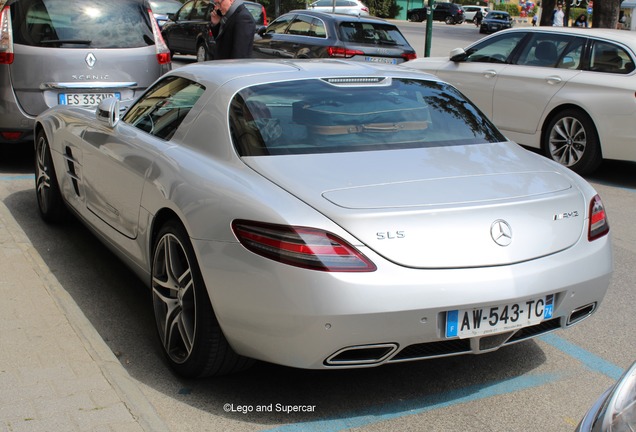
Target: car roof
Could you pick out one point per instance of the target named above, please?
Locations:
(237, 74)
(338, 17)
(625, 37)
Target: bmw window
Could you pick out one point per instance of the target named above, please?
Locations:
(494, 50)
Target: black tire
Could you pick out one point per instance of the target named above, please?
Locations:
(570, 139)
(202, 53)
(449, 20)
(188, 330)
(416, 17)
(47, 189)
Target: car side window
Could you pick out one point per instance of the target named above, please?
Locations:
(201, 10)
(184, 12)
(300, 26)
(546, 50)
(494, 50)
(610, 58)
(279, 25)
(163, 108)
(318, 29)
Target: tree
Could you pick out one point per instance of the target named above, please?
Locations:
(606, 13)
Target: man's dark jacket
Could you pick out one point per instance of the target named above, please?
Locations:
(236, 39)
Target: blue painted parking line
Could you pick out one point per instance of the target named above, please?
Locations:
(591, 361)
(17, 177)
(422, 405)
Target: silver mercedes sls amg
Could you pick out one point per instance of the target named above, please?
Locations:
(325, 214)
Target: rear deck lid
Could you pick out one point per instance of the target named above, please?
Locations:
(437, 208)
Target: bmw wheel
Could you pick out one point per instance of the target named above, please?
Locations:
(50, 202)
(571, 140)
(190, 334)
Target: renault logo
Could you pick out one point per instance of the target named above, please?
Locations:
(90, 60)
(501, 232)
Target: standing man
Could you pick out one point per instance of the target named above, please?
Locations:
(233, 28)
(557, 16)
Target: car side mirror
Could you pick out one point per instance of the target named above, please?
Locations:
(171, 16)
(108, 111)
(458, 55)
(261, 31)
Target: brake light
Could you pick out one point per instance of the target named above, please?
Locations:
(303, 247)
(409, 56)
(163, 53)
(264, 15)
(599, 225)
(342, 52)
(6, 37)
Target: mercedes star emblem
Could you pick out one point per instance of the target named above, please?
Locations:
(501, 232)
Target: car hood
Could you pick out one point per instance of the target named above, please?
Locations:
(447, 207)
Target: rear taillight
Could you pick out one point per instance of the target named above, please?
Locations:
(365, 9)
(599, 226)
(11, 136)
(6, 37)
(303, 247)
(341, 52)
(163, 53)
(409, 56)
(264, 16)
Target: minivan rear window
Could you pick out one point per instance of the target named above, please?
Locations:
(81, 23)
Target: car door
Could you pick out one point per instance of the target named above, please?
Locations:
(523, 90)
(476, 73)
(270, 42)
(116, 160)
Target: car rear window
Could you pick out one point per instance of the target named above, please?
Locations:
(371, 33)
(81, 23)
(353, 114)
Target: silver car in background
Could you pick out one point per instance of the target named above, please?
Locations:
(326, 214)
(76, 53)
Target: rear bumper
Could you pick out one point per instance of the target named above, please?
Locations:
(317, 320)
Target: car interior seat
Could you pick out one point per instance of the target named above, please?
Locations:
(608, 60)
(545, 54)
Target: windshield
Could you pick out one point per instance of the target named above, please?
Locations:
(371, 33)
(329, 116)
(81, 23)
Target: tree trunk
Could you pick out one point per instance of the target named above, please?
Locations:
(547, 8)
(606, 13)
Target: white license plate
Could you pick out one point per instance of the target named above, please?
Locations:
(84, 99)
(466, 323)
(381, 60)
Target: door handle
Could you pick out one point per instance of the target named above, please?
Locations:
(490, 74)
(553, 80)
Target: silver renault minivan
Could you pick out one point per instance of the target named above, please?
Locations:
(73, 52)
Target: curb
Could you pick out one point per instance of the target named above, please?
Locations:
(115, 374)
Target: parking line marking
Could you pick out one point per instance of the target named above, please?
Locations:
(423, 404)
(17, 177)
(591, 361)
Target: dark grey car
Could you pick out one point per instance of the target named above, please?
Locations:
(73, 52)
(312, 34)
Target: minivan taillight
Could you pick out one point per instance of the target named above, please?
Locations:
(163, 53)
(308, 248)
(341, 52)
(599, 226)
(6, 37)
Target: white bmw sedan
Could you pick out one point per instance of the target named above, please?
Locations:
(566, 91)
(325, 214)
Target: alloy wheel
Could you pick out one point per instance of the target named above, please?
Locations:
(567, 141)
(174, 298)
